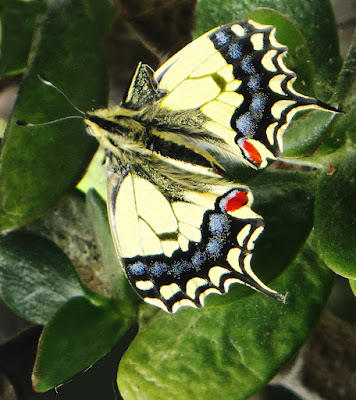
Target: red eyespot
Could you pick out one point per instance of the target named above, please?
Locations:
(237, 201)
(251, 152)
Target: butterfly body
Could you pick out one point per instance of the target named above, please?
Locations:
(181, 229)
(175, 142)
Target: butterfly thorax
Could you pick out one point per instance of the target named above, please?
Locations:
(155, 135)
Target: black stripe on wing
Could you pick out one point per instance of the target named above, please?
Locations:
(266, 85)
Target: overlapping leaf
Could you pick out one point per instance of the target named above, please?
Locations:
(18, 20)
(35, 276)
(335, 211)
(39, 165)
(82, 331)
(227, 351)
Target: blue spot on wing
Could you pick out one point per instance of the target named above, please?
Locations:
(258, 104)
(246, 124)
(235, 51)
(222, 38)
(198, 259)
(218, 224)
(158, 268)
(213, 247)
(138, 268)
(247, 66)
(254, 83)
(181, 266)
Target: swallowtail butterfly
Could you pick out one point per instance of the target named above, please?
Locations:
(181, 229)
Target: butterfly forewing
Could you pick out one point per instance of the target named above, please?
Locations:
(236, 77)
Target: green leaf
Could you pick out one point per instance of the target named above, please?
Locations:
(335, 212)
(3, 124)
(79, 334)
(343, 127)
(314, 18)
(353, 286)
(305, 134)
(285, 199)
(36, 277)
(39, 165)
(228, 351)
(17, 23)
(95, 176)
(112, 273)
(336, 136)
(103, 13)
(298, 58)
(346, 86)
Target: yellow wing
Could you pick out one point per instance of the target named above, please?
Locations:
(177, 251)
(235, 76)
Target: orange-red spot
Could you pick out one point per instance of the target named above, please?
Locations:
(236, 202)
(252, 152)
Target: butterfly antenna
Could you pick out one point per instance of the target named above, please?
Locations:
(48, 83)
(24, 123)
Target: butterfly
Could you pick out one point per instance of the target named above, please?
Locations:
(181, 229)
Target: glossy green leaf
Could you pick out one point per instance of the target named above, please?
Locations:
(3, 124)
(95, 176)
(305, 134)
(81, 332)
(228, 351)
(285, 199)
(335, 212)
(112, 273)
(68, 226)
(39, 165)
(298, 58)
(343, 128)
(336, 136)
(36, 277)
(346, 86)
(353, 286)
(17, 23)
(314, 18)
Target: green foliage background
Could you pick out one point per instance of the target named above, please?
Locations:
(236, 344)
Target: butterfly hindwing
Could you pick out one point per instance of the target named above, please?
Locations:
(177, 251)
